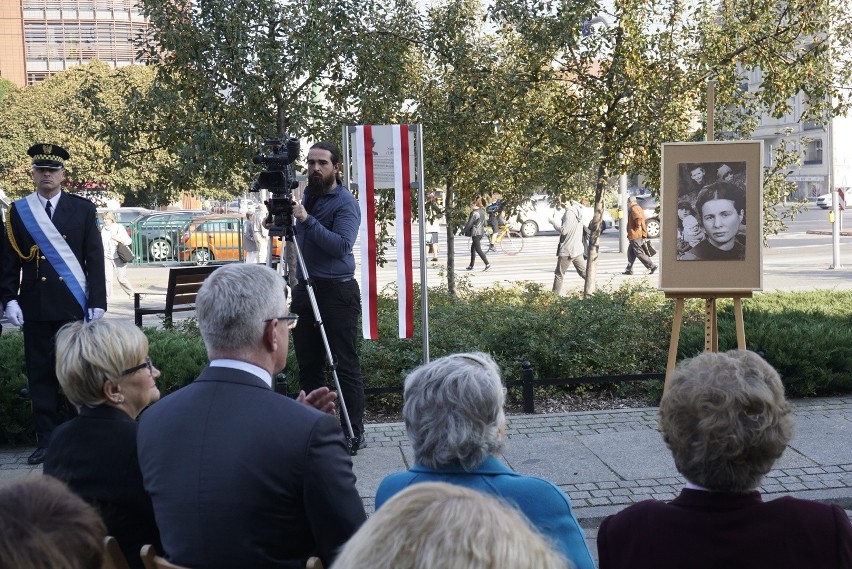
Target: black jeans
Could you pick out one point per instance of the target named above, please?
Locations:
(476, 248)
(340, 309)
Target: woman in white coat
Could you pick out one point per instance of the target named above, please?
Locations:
(112, 234)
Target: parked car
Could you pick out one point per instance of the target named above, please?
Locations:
(826, 201)
(124, 215)
(212, 238)
(155, 235)
(533, 216)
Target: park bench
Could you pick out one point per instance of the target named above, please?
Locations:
(180, 294)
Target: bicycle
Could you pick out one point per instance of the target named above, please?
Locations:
(511, 242)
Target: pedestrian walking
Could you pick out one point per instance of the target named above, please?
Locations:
(636, 234)
(570, 248)
(113, 234)
(475, 229)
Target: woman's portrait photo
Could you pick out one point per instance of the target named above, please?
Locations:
(711, 218)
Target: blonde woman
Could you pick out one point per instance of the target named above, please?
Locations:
(435, 524)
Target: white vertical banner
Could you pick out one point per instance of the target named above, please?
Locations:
(367, 202)
(383, 157)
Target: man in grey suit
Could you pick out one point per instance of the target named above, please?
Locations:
(241, 476)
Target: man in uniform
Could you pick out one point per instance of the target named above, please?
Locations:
(52, 274)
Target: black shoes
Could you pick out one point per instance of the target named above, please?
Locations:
(470, 268)
(654, 268)
(490, 249)
(627, 272)
(488, 266)
(37, 457)
(354, 444)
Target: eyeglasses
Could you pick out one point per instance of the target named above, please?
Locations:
(147, 363)
(291, 320)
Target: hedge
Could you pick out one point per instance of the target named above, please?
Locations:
(807, 336)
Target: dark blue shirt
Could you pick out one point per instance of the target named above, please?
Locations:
(328, 234)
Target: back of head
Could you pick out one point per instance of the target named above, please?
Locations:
(234, 301)
(453, 410)
(88, 354)
(433, 524)
(43, 525)
(725, 419)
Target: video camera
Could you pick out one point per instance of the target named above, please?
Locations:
(278, 176)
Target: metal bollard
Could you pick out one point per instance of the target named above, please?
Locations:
(527, 386)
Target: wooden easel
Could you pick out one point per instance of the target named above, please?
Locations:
(711, 324)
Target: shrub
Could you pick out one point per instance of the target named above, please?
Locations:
(806, 336)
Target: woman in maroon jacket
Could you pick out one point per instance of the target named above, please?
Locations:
(726, 421)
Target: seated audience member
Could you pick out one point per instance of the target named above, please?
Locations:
(726, 421)
(239, 475)
(43, 525)
(104, 369)
(453, 413)
(436, 525)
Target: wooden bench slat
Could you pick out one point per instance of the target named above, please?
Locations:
(181, 291)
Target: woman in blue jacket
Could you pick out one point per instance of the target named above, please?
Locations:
(454, 416)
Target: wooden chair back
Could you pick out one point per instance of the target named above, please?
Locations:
(151, 560)
(113, 557)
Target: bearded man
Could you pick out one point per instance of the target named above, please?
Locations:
(327, 223)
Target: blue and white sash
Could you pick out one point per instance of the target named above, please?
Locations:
(53, 247)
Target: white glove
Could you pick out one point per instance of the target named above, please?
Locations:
(14, 314)
(96, 314)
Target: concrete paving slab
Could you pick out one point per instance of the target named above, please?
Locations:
(371, 465)
(633, 455)
(824, 439)
(561, 460)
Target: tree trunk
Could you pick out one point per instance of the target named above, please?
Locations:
(594, 237)
(449, 199)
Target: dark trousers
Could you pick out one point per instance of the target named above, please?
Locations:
(476, 248)
(635, 251)
(562, 266)
(340, 308)
(40, 359)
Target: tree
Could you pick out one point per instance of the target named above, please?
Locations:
(232, 73)
(72, 109)
(639, 79)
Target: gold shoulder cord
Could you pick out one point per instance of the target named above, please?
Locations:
(11, 235)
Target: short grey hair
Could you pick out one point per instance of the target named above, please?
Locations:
(233, 303)
(725, 419)
(88, 354)
(453, 410)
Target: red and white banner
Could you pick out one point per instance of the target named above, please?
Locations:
(367, 201)
(383, 157)
(402, 201)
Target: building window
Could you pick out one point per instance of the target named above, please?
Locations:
(813, 152)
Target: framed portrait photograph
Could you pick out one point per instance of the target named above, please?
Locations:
(712, 217)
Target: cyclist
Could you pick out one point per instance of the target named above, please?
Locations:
(495, 217)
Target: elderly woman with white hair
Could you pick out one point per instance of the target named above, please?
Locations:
(454, 416)
(726, 422)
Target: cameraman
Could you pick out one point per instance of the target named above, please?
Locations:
(327, 223)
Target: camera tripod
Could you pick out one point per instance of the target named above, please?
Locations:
(288, 237)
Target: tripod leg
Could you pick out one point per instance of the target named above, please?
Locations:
(321, 327)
